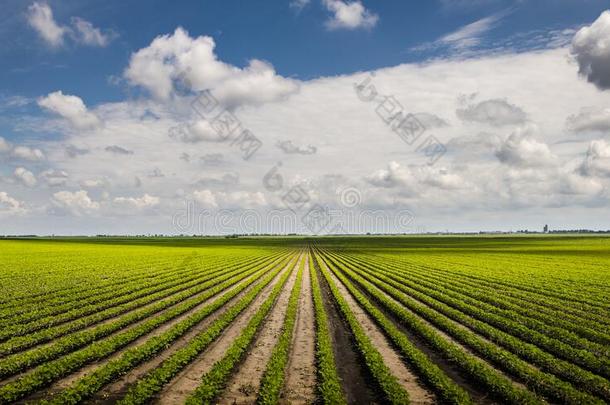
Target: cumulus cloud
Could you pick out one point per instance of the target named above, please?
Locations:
(198, 131)
(40, 17)
(597, 159)
(231, 200)
(20, 152)
(146, 201)
(574, 184)
(118, 150)
(193, 62)
(54, 178)
(290, 148)
(591, 49)
(77, 203)
(590, 119)
(521, 149)
(69, 107)
(393, 176)
(495, 112)
(27, 153)
(25, 177)
(349, 15)
(9, 205)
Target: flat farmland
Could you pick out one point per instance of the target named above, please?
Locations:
(333, 320)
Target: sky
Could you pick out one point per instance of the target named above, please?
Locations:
(303, 116)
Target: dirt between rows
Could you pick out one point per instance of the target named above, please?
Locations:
(300, 380)
(244, 384)
(185, 383)
(350, 367)
(418, 393)
(478, 393)
(116, 389)
(114, 318)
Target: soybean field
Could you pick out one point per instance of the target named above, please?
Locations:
(296, 320)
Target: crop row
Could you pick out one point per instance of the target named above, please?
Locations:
(18, 362)
(273, 378)
(392, 391)
(214, 381)
(126, 294)
(490, 296)
(329, 384)
(479, 317)
(445, 388)
(53, 370)
(518, 298)
(538, 381)
(542, 294)
(90, 384)
(19, 343)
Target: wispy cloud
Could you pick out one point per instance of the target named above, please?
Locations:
(40, 18)
(466, 37)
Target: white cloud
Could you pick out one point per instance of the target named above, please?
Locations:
(394, 175)
(470, 35)
(591, 48)
(85, 33)
(54, 178)
(590, 119)
(349, 15)
(4, 145)
(146, 201)
(40, 17)
(25, 177)
(465, 38)
(192, 61)
(597, 159)
(237, 199)
(197, 131)
(495, 112)
(521, 149)
(76, 203)
(290, 148)
(9, 205)
(69, 107)
(27, 153)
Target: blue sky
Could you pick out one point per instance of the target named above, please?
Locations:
(296, 42)
(91, 90)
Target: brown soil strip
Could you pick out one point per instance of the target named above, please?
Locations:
(244, 384)
(478, 393)
(350, 367)
(300, 382)
(418, 393)
(88, 369)
(183, 385)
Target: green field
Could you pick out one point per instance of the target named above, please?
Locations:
(333, 320)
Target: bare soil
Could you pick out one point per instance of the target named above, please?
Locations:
(244, 384)
(300, 381)
(418, 393)
(350, 368)
(183, 385)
